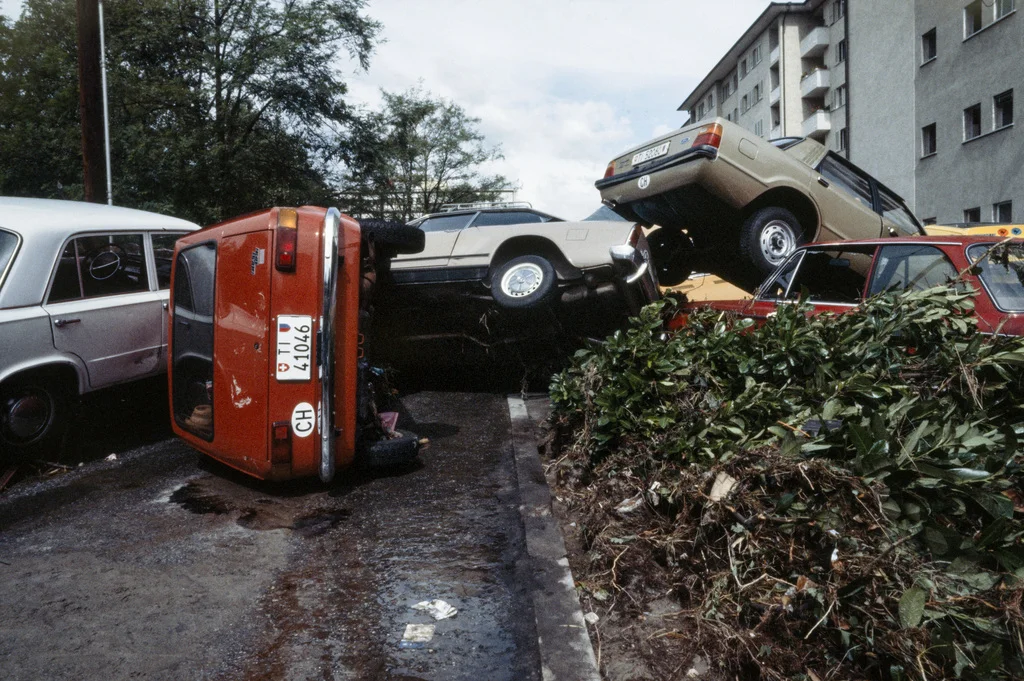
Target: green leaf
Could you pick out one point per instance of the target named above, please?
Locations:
(911, 607)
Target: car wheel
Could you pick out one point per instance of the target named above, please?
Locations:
(393, 237)
(392, 452)
(526, 281)
(672, 253)
(33, 418)
(769, 236)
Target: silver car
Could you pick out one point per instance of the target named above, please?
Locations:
(83, 300)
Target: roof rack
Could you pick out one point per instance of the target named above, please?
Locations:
(452, 207)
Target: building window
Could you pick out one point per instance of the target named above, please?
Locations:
(1002, 107)
(735, 114)
(840, 9)
(972, 18)
(744, 103)
(1002, 212)
(743, 68)
(735, 82)
(972, 214)
(838, 97)
(1004, 7)
(842, 138)
(841, 51)
(758, 92)
(928, 140)
(929, 221)
(972, 122)
(728, 116)
(928, 50)
(725, 88)
(755, 56)
(759, 128)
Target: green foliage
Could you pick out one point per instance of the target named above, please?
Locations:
(928, 448)
(216, 108)
(414, 155)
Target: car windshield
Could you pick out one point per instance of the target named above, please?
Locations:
(8, 245)
(823, 276)
(1002, 272)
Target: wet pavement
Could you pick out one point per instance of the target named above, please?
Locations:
(164, 565)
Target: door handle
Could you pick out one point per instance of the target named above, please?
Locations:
(61, 323)
(165, 304)
(822, 181)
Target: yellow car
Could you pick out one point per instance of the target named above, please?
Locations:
(967, 229)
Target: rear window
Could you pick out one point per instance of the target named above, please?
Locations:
(1002, 273)
(894, 210)
(8, 246)
(507, 218)
(192, 339)
(904, 267)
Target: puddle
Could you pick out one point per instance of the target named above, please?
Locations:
(254, 510)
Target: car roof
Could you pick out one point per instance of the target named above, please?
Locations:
(936, 240)
(484, 209)
(43, 226)
(53, 215)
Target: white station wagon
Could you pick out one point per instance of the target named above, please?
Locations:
(83, 300)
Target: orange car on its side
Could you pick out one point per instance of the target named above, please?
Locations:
(267, 373)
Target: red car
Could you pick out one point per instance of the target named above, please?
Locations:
(836, 277)
(266, 351)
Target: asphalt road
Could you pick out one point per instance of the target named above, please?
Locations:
(162, 565)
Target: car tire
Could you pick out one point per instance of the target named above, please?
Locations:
(393, 237)
(769, 236)
(34, 416)
(672, 253)
(523, 282)
(392, 452)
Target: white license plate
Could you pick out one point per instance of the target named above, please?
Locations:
(653, 152)
(295, 347)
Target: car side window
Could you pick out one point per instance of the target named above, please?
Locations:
(163, 254)
(1002, 272)
(100, 265)
(898, 214)
(849, 180)
(831, 277)
(506, 218)
(902, 267)
(445, 223)
(776, 288)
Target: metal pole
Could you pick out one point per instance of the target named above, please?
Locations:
(106, 114)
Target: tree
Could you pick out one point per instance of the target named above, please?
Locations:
(217, 106)
(416, 154)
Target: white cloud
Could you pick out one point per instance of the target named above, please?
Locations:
(562, 85)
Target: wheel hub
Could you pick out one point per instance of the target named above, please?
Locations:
(26, 416)
(522, 280)
(777, 242)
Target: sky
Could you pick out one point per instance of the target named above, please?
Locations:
(563, 86)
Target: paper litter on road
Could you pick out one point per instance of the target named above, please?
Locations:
(438, 609)
(416, 635)
(111, 457)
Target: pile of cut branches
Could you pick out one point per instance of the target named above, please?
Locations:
(822, 496)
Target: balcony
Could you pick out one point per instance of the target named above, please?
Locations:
(814, 43)
(773, 56)
(817, 124)
(814, 84)
(775, 95)
(775, 133)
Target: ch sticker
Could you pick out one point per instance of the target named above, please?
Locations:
(644, 182)
(303, 419)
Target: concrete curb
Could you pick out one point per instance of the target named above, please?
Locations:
(566, 653)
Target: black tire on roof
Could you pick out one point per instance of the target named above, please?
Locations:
(769, 236)
(394, 237)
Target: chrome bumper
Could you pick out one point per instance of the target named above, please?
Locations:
(331, 229)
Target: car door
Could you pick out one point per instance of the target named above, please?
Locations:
(163, 255)
(439, 236)
(102, 307)
(846, 202)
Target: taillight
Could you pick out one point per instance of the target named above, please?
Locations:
(709, 136)
(610, 170)
(286, 240)
(281, 442)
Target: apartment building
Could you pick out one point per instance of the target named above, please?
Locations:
(918, 92)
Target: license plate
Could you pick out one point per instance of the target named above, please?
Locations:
(294, 347)
(653, 152)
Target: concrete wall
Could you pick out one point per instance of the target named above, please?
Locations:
(985, 170)
(880, 112)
